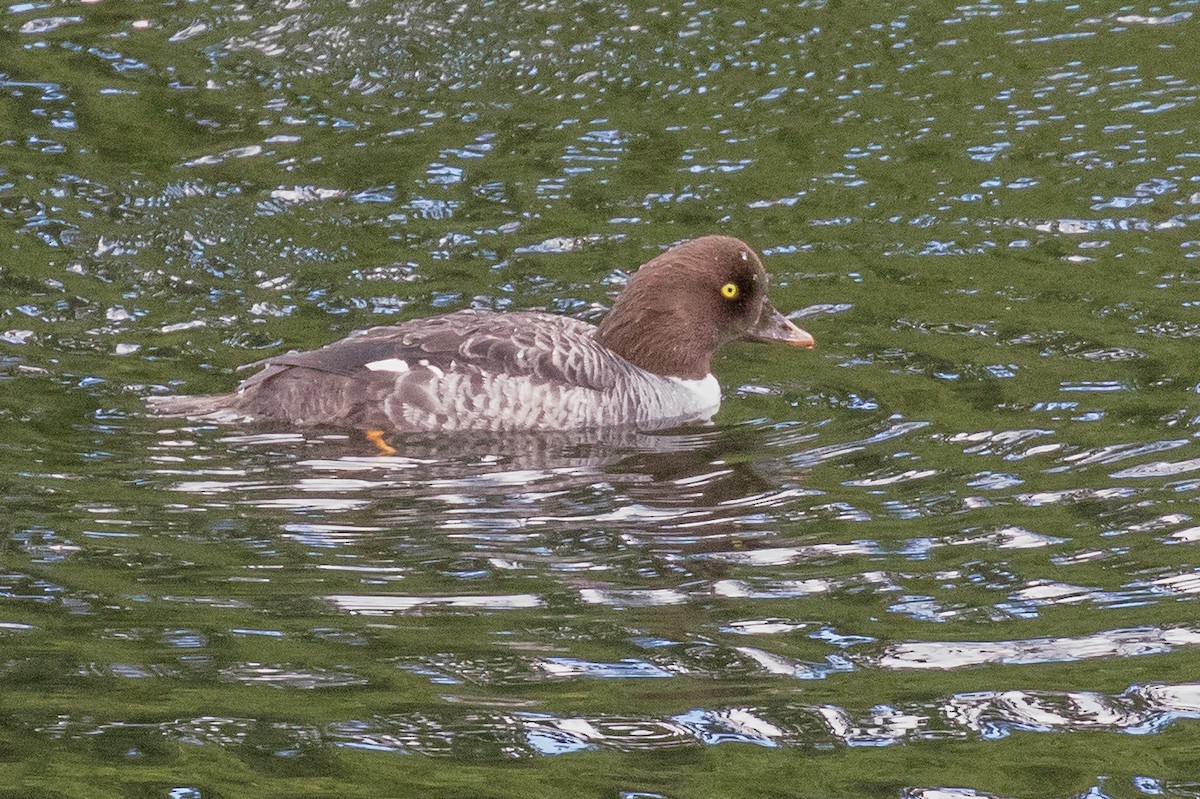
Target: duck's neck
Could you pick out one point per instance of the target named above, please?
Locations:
(657, 339)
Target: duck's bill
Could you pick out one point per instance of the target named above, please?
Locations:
(774, 327)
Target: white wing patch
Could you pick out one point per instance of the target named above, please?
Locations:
(389, 365)
(400, 366)
(437, 371)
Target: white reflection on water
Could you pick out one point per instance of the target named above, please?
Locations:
(380, 604)
(570, 668)
(946, 793)
(773, 589)
(1111, 643)
(1113, 453)
(1181, 584)
(764, 626)
(282, 676)
(778, 665)
(1159, 469)
(817, 455)
(632, 597)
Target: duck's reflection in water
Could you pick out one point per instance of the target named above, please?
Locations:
(610, 474)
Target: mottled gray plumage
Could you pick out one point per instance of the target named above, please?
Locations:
(647, 365)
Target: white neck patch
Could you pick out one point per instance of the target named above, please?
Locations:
(705, 392)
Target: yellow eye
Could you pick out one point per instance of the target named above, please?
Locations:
(729, 291)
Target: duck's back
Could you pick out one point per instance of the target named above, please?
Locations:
(470, 370)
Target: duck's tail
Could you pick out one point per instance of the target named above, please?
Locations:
(209, 407)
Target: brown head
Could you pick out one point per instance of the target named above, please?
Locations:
(679, 308)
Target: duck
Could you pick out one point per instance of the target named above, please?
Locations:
(647, 366)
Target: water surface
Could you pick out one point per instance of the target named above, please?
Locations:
(951, 552)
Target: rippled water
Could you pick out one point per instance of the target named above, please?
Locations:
(950, 553)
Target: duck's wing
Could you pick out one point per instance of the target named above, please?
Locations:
(542, 347)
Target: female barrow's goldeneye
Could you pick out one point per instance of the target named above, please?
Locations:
(648, 364)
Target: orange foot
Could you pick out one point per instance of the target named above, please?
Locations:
(376, 438)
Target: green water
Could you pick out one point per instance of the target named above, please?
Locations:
(952, 552)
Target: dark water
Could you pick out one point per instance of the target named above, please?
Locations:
(951, 553)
